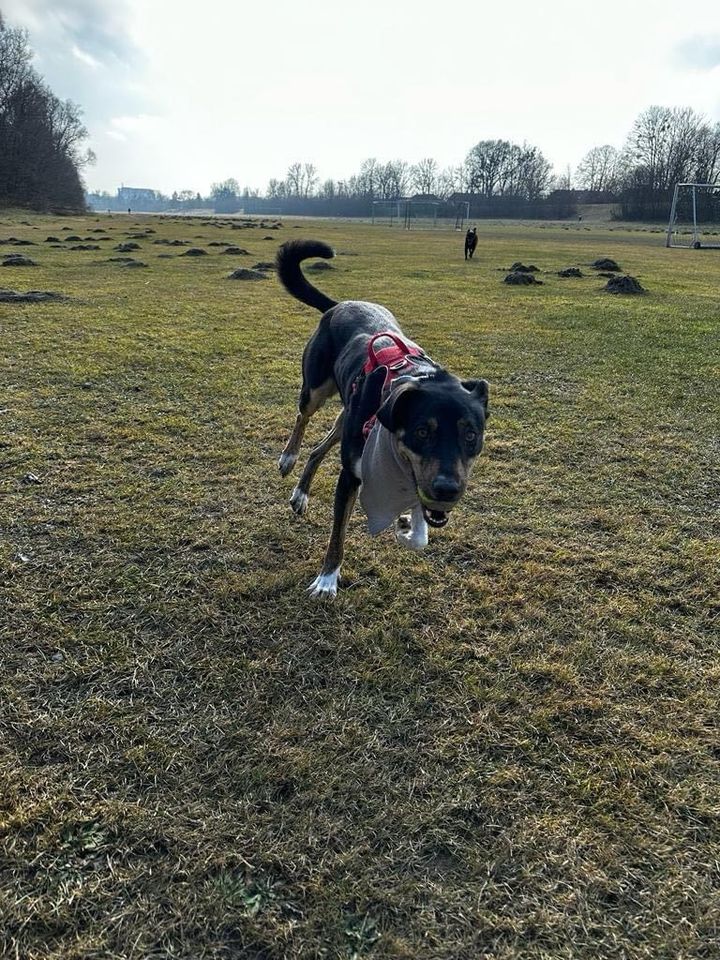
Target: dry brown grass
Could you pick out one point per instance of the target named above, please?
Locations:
(506, 747)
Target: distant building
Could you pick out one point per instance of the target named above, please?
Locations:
(425, 198)
(137, 198)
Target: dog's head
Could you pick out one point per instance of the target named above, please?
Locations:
(439, 424)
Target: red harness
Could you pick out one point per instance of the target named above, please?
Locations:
(397, 358)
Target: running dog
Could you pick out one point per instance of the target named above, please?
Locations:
(471, 239)
(409, 430)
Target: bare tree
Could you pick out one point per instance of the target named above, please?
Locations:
(489, 165)
(328, 190)
(600, 169)
(707, 160)
(451, 180)
(501, 168)
(294, 180)
(276, 189)
(40, 135)
(309, 179)
(366, 182)
(229, 188)
(425, 175)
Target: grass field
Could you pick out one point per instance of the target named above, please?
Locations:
(505, 747)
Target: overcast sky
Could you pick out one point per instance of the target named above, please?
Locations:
(177, 95)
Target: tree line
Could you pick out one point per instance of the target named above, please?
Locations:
(665, 146)
(41, 136)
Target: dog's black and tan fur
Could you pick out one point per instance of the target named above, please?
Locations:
(438, 420)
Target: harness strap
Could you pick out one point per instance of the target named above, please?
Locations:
(397, 358)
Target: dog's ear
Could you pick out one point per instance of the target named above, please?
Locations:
(391, 413)
(480, 389)
(369, 397)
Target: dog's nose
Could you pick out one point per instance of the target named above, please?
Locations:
(445, 489)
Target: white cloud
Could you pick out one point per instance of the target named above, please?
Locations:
(85, 57)
(142, 121)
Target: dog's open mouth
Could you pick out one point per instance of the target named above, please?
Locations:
(435, 518)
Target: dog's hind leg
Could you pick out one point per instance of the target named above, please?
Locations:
(299, 498)
(310, 402)
(324, 586)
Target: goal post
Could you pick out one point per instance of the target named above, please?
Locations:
(695, 216)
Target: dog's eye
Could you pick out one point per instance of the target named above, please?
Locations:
(422, 433)
(470, 436)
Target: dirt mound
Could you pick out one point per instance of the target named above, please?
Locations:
(605, 263)
(570, 272)
(320, 265)
(624, 284)
(73, 239)
(13, 241)
(172, 243)
(32, 296)
(194, 252)
(125, 247)
(243, 274)
(85, 246)
(17, 260)
(52, 240)
(237, 251)
(519, 279)
(134, 263)
(263, 265)
(120, 259)
(519, 267)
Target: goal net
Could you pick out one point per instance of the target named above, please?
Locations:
(388, 212)
(695, 216)
(420, 214)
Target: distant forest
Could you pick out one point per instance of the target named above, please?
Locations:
(40, 135)
(42, 156)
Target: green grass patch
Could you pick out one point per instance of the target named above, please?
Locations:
(504, 747)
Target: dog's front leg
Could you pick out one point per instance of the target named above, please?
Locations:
(324, 586)
(416, 538)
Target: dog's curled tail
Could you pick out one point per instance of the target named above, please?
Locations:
(288, 260)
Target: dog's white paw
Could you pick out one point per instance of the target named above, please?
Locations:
(324, 586)
(412, 531)
(299, 502)
(286, 462)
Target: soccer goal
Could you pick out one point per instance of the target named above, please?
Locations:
(462, 213)
(387, 211)
(695, 217)
(420, 214)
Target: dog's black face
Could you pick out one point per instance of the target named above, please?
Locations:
(439, 424)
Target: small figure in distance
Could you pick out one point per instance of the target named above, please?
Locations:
(470, 242)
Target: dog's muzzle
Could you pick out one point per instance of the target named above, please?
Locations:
(435, 511)
(435, 518)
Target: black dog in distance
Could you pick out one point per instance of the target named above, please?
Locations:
(471, 239)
